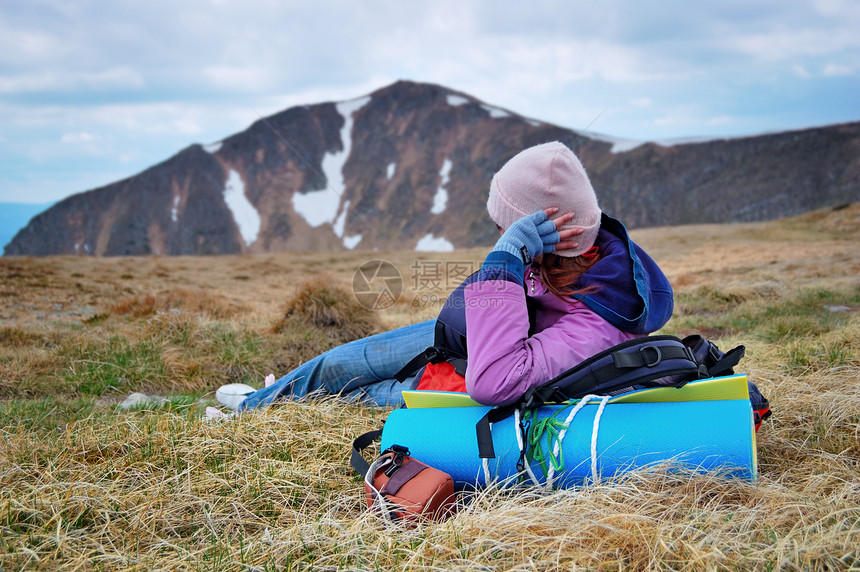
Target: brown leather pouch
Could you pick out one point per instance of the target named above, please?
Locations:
(401, 487)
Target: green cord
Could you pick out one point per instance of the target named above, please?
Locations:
(552, 428)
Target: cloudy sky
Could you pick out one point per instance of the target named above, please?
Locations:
(91, 92)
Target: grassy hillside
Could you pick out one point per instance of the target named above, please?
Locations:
(87, 485)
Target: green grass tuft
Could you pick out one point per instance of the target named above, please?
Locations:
(118, 366)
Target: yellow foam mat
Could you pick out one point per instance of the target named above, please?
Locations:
(713, 389)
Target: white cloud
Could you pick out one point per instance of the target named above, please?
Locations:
(267, 104)
(150, 118)
(781, 45)
(80, 137)
(670, 120)
(115, 77)
(31, 46)
(721, 120)
(838, 69)
(241, 78)
(844, 10)
(121, 77)
(27, 83)
(800, 71)
(693, 119)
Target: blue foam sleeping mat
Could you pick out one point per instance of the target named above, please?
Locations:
(708, 435)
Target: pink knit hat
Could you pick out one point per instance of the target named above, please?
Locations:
(547, 175)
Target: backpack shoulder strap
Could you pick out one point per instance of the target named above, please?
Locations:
(725, 365)
(436, 353)
(362, 442)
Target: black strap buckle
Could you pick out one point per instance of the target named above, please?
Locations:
(691, 355)
(397, 449)
(434, 354)
(399, 452)
(524, 432)
(529, 401)
(658, 356)
(714, 352)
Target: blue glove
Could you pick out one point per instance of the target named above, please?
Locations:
(529, 237)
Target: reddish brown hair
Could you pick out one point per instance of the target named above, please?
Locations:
(560, 273)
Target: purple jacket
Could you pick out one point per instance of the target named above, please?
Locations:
(508, 353)
(504, 360)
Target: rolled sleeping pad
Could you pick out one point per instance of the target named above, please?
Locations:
(697, 435)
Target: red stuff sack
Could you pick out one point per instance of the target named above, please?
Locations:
(441, 376)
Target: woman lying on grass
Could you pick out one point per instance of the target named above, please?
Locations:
(563, 283)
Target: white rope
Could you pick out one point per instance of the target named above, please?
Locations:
(551, 473)
(582, 403)
(594, 472)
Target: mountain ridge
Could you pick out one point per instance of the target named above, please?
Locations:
(410, 164)
(14, 216)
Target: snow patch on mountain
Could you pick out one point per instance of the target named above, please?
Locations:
(495, 112)
(618, 145)
(213, 147)
(429, 243)
(692, 140)
(455, 100)
(392, 167)
(351, 242)
(244, 214)
(440, 199)
(174, 210)
(322, 206)
(624, 145)
(317, 207)
(340, 221)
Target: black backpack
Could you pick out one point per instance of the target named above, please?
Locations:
(651, 361)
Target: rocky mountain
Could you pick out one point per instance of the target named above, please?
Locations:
(408, 167)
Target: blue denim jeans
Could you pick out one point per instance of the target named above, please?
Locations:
(361, 370)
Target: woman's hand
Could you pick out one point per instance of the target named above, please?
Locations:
(537, 233)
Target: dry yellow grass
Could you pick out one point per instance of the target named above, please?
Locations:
(86, 486)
